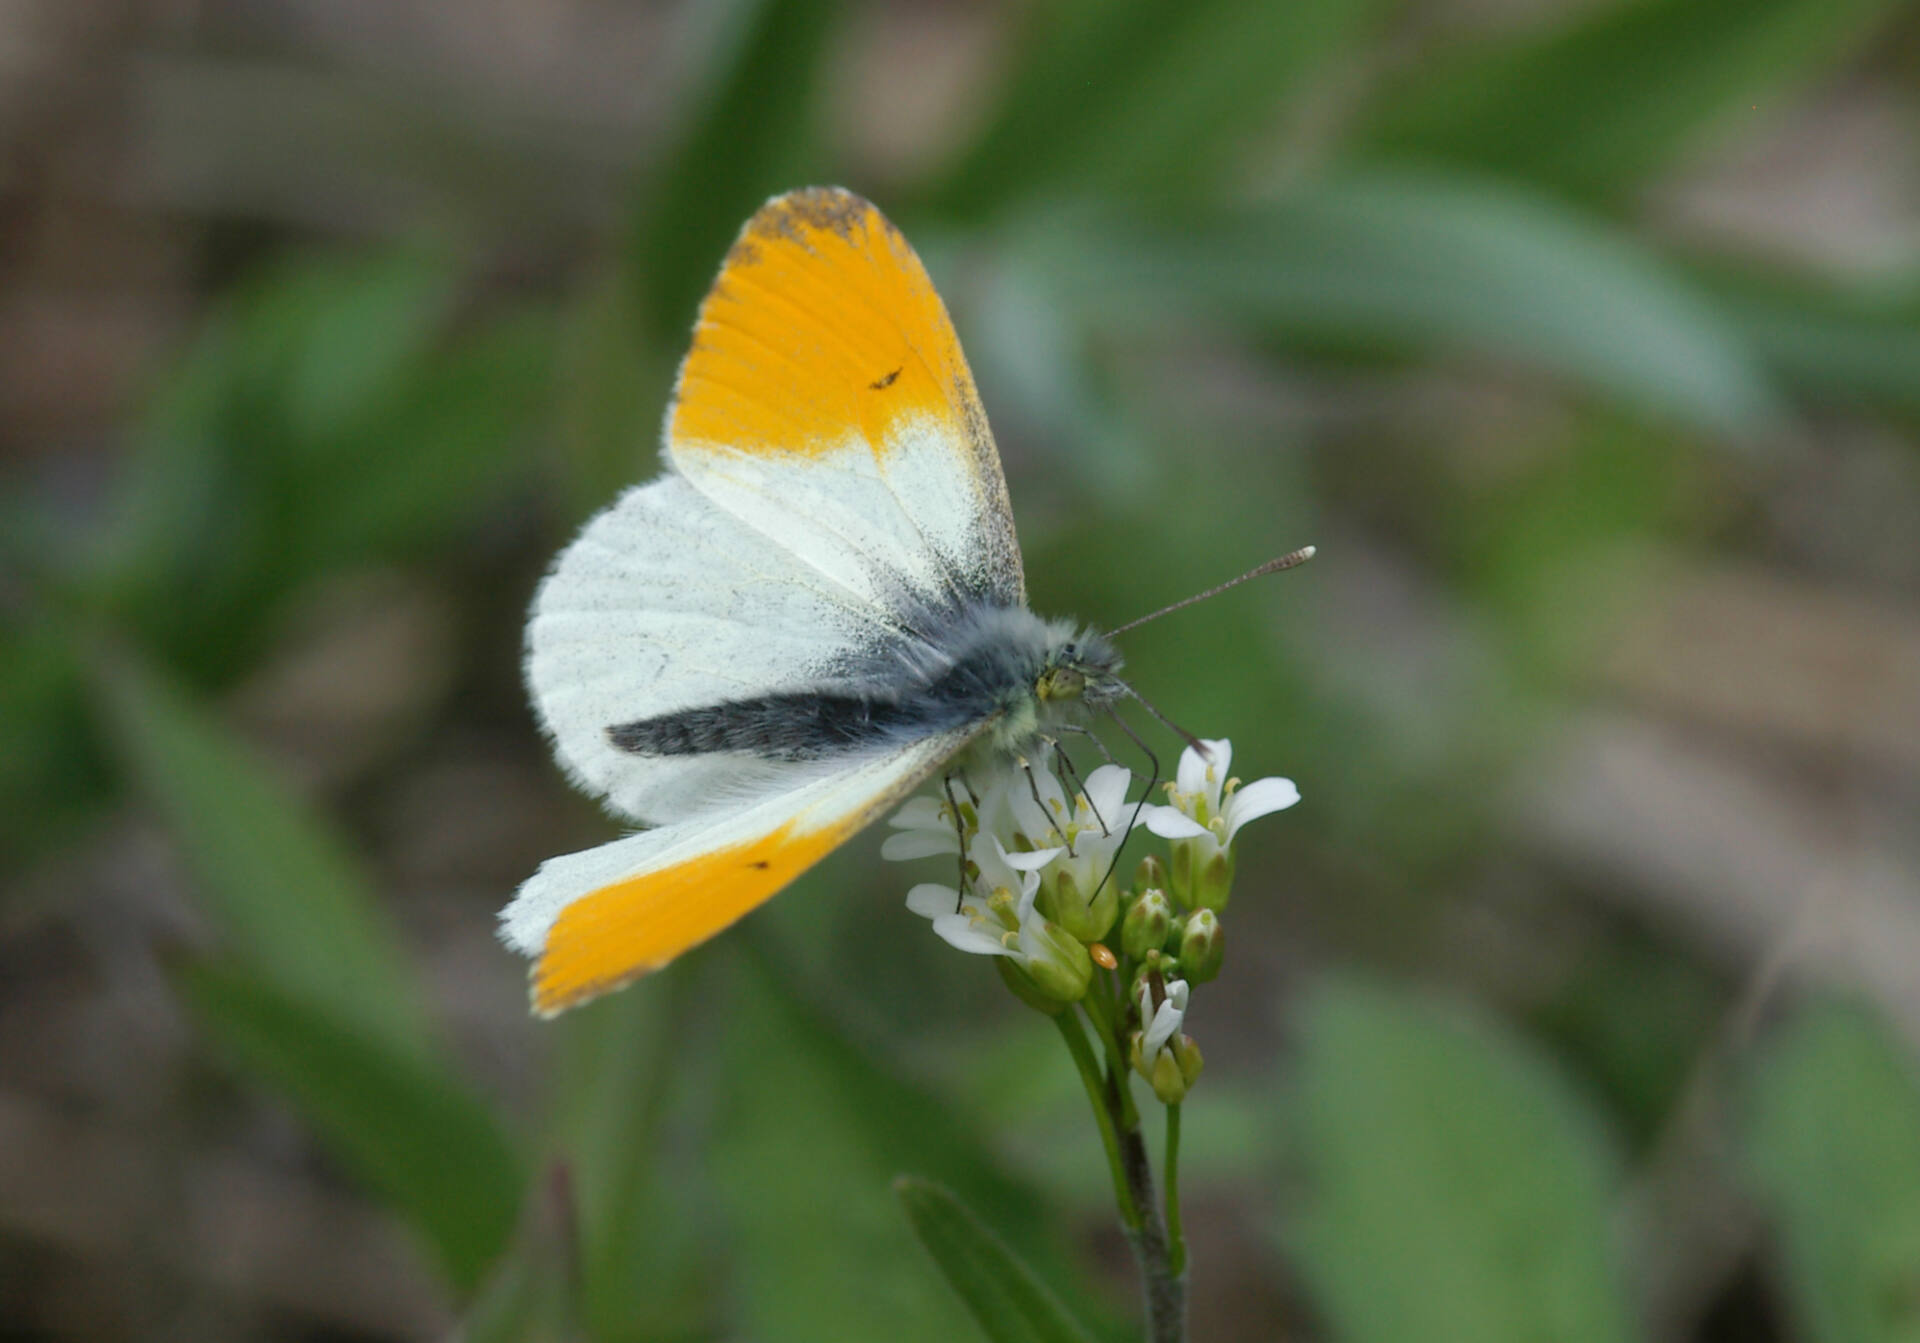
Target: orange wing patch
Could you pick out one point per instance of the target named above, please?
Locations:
(620, 932)
(822, 324)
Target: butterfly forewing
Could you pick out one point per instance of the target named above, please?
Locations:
(826, 402)
(836, 501)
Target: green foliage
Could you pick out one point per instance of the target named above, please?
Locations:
(1833, 1141)
(1010, 1303)
(1142, 100)
(322, 419)
(398, 1121)
(1422, 261)
(1454, 1189)
(1592, 108)
(813, 1129)
(287, 900)
(749, 135)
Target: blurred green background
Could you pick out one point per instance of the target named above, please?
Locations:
(1578, 1000)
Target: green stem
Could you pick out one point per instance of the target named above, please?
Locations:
(1102, 1013)
(1176, 1241)
(1083, 1059)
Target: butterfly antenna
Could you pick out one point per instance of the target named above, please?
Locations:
(1291, 560)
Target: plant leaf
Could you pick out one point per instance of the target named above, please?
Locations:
(811, 1133)
(397, 1120)
(1857, 347)
(285, 896)
(751, 135)
(1455, 1191)
(1594, 106)
(1135, 97)
(1408, 260)
(1833, 1143)
(1011, 1304)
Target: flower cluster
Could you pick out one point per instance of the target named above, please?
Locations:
(1036, 887)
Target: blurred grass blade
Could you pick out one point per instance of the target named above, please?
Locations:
(621, 1072)
(1418, 261)
(811, 1133)
(323, 415)
(437, 450)
(413, 1133)
(752, 134)
(1142, 98)
(1455, 1192)
(287, 900)
(1593, 106)
(1852, 347)
(1011, 1304)
(1833, 1142)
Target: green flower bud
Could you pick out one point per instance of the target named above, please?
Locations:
(1166, 1074)
(1153, 962)
(1147, 924)
(1151, 875)
(1215, 882)
(1202, 873)
(1203, 946)
(1025, 989)
(1087, 918)
(1055, 961)
(1187, 1054)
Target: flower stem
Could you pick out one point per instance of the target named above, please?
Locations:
(1164, 1285)
(1083, 1059)
(1176, 1241)
(1104, 1014)
(1164, 1282)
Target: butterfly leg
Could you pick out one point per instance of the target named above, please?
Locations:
(1079, 785)
(1033, 786)
(1153, 781)
(1089, 734)
(960, 833)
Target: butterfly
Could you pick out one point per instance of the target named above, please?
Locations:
(815, 609)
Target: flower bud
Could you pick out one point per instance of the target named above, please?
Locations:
(1167, 1072)
(1203, 946)
(1202, 873)
(1147, 923)
(1087, 917)
(1187, 1054)
(1025, 989)
(1055, 960)
(1151, 875)
(1153, 962)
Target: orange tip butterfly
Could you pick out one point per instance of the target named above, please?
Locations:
(818, 606)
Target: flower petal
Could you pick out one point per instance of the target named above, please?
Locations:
(1172, 823)
(921, 813)
(1028, 862)
(957, 930)
(1107, 793)
(930, 899)
(909, 844)
(1191, 776)
(1258, 799)
(1160, 1030)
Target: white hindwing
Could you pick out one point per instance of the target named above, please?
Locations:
(666, 602)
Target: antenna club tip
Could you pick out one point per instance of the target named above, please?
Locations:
(1308, 552)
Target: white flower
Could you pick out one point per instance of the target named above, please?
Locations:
(991, 918)
(1169, 1060)
(1206, 812)
(1160, 1024)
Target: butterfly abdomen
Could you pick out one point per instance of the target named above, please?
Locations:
(986, 667)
